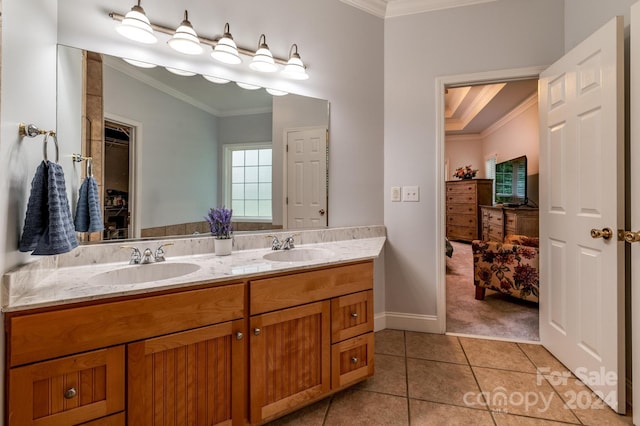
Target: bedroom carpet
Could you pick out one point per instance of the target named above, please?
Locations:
(498, 315)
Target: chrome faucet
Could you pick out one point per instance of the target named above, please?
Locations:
(159, 254)
(286, 244)
(147, 256)
(136, 257)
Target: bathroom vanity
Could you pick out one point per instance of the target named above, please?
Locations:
(240, 349)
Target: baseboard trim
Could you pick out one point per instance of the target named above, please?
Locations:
(407, 322)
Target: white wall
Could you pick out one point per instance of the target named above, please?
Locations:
(178, 180)
(499, 35)
(583, 17)
(464, 150)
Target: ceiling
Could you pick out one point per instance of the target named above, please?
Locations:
(394, 8)
(474, 109)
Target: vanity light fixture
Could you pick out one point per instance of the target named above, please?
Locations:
(295, 68)
(180, 72)
(185, 40)
(275, 92)
(247, 86)
(139, 64)
(216, 80)
(263, 59)
(136, 26)
(226, 50)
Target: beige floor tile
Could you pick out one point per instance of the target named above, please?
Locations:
(496, 354)
(435, 347)
(441, 382)
(586, 405)
(511, 420)
(390, 376)
(542, 359)
(313, 415)
(523, 394)
(424, 413)
(390, 342)
(355, 408)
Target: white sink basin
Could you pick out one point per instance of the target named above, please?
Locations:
(135, 274)
(298, 255)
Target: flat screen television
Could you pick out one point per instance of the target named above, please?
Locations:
(511, 182)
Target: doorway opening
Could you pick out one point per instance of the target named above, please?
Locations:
(486, 121)
(118, 141)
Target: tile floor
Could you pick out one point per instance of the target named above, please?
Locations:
(431, 379)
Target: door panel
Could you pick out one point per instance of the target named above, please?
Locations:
(582, 188)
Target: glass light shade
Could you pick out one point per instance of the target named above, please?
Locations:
(136, 26)
(179, 72)
(216, 80)
(247, 85)
(226, 51)
(139, 64)
(263, 60)
(185, 40)
(295, 68)
(275, 92)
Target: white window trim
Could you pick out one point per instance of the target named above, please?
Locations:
(227, 149)
(492, 175)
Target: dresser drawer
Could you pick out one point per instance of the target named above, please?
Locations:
(351, 315)
(464, 208)
(68, 390)
(352, 360)
(462, 233)
(462, 188)
(462, 220)
(461, 199)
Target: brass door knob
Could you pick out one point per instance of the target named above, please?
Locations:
(632, 237)
(605, 233)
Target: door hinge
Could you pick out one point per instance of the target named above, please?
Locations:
(286, 201)
(287, 147)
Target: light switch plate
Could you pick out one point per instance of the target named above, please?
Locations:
(410, 193)
(396, 193)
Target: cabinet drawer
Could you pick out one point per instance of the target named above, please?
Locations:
(68, 390)
(351, 315)
(66, 331)
(462, 220)
(352, 360)
(275, 293)
(461, 209)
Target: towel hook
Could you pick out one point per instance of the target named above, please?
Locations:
(44, 145)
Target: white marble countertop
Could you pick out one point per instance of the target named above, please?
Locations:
(62, 285)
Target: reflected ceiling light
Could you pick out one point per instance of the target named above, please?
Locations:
(136, 26)
(275, 92)
(179, 72)
(263, 59)
(139, 64)
(216, 80)
(295, 68)
(185, 40)
(247, 86)
(226, 50)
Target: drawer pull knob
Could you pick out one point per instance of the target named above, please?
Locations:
(239, 335)
(354, 360)
(70, 393)
(257, 331)
(354, 315)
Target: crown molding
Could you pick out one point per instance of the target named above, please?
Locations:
(531, 101)
(395, 8)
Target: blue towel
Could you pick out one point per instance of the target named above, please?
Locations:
(48, 225)
(88, 217)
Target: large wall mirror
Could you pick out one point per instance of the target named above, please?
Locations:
(165, 148)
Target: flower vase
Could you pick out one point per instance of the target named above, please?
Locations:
(222, 246)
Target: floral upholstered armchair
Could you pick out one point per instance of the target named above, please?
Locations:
(509, 267)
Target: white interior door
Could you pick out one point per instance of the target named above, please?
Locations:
(582, 188)
(635, 204)
(307, 178)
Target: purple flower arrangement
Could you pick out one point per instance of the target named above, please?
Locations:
(220, 222)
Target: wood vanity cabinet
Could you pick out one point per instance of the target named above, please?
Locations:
(67, 365)
(311, 334)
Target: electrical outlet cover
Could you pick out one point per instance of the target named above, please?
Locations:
(410, 193)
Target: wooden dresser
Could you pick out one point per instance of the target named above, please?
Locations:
(499, 221)
(463, 212)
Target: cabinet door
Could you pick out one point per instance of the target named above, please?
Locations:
(68, 390)
(194, 377)
(290, 358)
